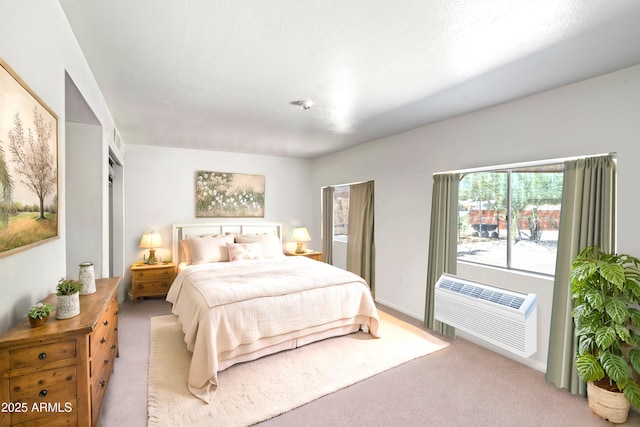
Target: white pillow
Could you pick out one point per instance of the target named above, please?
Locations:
(185, 251)
(244, 251)
(209, 249)
(271, 245)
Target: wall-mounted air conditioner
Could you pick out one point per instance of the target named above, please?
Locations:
(504, 318)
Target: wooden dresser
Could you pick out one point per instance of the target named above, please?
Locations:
(56, 374)
(151, 280)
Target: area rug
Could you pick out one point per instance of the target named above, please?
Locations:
(256, 391)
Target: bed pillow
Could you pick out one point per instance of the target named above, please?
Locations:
(209, 249)
(185, 252)
(271, 245)
(244, 251)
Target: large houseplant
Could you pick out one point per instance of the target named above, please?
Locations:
(605, 293)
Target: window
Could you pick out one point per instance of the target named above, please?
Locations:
(341, 213)
(509, 218)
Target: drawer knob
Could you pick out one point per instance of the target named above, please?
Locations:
(42, 356)
(113, 346)
(103, 340)
(105, 323)
(102, 383)
(165, 284)
(106, 361)
(43, 393)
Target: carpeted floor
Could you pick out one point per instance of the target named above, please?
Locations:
(259, 390)
(462, 385)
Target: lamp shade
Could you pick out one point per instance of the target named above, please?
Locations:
(300, 234)
(151, 240)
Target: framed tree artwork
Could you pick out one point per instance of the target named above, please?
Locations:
(28, 166)
(222, 194)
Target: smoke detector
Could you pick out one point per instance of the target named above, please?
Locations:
(305, 104)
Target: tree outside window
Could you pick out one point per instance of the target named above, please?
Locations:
(509, 218)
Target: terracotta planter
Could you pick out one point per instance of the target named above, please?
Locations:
(609, 405)
(38, 322)
(68, 306)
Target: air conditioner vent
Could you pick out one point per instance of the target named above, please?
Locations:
(495, 296)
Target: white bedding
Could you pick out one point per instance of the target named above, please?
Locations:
(238, 311)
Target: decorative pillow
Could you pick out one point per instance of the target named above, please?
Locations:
(185, 252)
(271, 245)
(208, 249)
(244, 251)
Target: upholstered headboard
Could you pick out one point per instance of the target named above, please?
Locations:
(181, 231)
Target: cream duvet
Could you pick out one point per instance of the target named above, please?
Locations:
(238, 311)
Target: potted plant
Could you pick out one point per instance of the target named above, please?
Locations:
(68, 295)
(605, 294)
(39, 313)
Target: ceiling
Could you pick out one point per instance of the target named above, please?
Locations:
(224, 75)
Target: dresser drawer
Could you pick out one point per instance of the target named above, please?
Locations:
(99, 382)
(154, 274)
(52, 419)
(105, 354)
(155, 287)
(41, 354)
(104, 328)
(54, 389)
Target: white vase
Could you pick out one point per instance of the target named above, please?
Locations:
(68, 306)
(87, 278)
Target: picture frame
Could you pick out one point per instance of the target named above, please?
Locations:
(231, 195)
(28, 166)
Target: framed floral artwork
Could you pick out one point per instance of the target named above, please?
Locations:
(233, 195)
(28, 166)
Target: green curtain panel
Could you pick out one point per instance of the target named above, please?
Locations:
(360, 244)
(587, 218)
(443, 244)
(327, 224)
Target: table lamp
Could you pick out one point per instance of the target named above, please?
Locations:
(300, 235)
(151, 241)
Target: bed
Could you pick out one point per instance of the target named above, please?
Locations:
(239, 298)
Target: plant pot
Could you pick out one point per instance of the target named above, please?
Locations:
(609, 405)
(38, 322)
(68, 306)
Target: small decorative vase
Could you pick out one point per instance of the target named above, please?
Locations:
(68, 306)
(38, 322)
(87, 278)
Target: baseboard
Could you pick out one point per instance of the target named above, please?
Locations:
(419, 317)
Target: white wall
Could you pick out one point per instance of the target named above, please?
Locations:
(595, 116)
(160, 191)
(37, 43)
(84, 194)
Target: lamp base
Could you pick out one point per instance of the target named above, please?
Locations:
(299, 249)
(152, 257)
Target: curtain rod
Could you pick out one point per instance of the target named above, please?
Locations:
(350, 183)
(523, 164)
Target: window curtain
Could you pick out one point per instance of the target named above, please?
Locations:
(327, 224)
(443, 243)
(587, 218)
(360, 242)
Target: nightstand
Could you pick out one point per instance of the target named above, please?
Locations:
(313, 255)
(151, 280)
